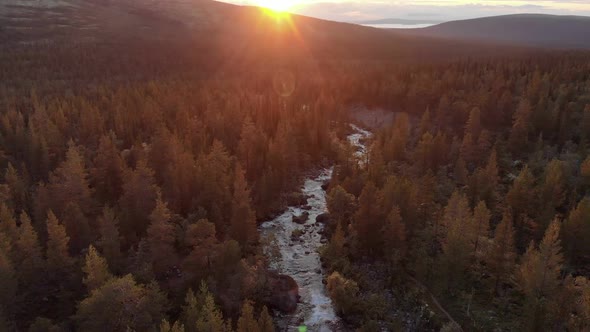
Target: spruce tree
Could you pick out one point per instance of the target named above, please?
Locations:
(161, 238)
(502, 256)
(243, 220)
(265, 323)
(58, 257)
(247, 322)
(95, 269)
(109, 241)
(29, 261)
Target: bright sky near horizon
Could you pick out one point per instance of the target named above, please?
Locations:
(426, 10)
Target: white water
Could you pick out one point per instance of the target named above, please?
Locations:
(300, 258)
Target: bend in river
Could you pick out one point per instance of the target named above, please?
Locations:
(299, 257)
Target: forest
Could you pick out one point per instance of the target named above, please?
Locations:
(134, 176)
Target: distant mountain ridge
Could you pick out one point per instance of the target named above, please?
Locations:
(400, 21)
(553, 31)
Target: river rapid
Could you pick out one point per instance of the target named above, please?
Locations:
(298, 257)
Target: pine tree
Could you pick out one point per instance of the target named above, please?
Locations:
(493, 179)
(540, 276)
(522, 201)
(161, 238)
(247, 322)
(473, 125)
(141, 262)
(8, 223)
(425, 123)
(58, 257)
(551, 259)
(68, 184)
(121, 304)
(520, 127)
(77, 227)
(252, 145)
(343, 293)
(138, 200)
(190, 311)
(265, 323)
(17, 188)
(423, 155)
(394, 236)
(210, 317)
(367, 220)
(468, 149)
(176, 327)
(576, 231)
(585, 173)
(341, 205)
(552, 190)
(96, 270)
(109, 242)
(481, 226)
(108, 172)
(203, 245)
(457, 223)
(243, 220)
(214, 178)
(28, 252)
(502, 256)
(8, 286)
(460, 172)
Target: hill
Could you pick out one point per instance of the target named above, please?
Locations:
(400, 21)
(217, 27)
(525, 29)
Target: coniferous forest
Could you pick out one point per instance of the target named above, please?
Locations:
(134, 175)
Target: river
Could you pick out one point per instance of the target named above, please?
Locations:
(299, 257)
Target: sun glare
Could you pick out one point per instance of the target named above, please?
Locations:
(277, 5)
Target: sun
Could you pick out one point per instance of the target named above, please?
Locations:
(277, 5)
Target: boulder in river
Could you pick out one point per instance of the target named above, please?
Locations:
(296, 199)
(323, 218)
(284, 293)
(326, 185)
(302, 219)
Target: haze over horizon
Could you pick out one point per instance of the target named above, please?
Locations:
(426, 10)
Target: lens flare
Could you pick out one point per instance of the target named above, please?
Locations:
(277, 5)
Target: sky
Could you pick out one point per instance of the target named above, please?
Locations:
(426, 10)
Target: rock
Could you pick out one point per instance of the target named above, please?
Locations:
(324, 241)
(307, 252)
(306, 207)
(284, 292)
(318, 271)
(302, 219)
(296, 199)
(326, 185)
(323, 218)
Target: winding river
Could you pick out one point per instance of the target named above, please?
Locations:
(299, 257)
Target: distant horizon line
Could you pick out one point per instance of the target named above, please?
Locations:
(430, 22)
